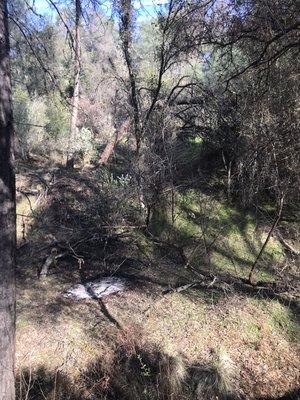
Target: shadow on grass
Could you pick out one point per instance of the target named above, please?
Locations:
(83, 211)
(84, 207)
(135, 374)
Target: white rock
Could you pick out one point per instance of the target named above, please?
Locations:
(97, 289)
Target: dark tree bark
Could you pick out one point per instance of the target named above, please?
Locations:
(126, 32)
(7, 218)
(75, 99)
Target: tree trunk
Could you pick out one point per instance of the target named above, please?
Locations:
(228, 168)
(7, 218)
(109, 148)
(75, 99)
(126, 33)
(229, 180)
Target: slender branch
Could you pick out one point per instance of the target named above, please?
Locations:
(275, 223)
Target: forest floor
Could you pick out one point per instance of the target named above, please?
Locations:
(220, 338)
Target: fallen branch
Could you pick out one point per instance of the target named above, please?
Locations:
(274, 225)
(190, 285)
(32, 192)
(65, 245)
(50, 260)
(180, 288)
(287, 246)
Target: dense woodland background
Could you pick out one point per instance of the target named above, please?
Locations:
(159, 143)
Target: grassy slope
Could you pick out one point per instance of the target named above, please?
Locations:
(74, 350)
(236, 237)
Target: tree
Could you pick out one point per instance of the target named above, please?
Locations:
(75, 98)
(109, 148)
(7, 218)
(126, 27)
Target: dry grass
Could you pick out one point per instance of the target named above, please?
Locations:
(197, 344)
(264, 360)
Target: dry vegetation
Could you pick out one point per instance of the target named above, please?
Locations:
(227, 340)
(159, 146)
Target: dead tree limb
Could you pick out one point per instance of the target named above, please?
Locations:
(286, 245)
(109, 148)
(50, 260)
(274, 225)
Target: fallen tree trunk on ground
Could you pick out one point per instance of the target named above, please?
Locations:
(50, 260)
(287, 246)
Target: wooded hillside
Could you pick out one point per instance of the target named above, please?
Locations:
(149, 249)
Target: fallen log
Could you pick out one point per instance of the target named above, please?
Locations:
(286, 245)
(50, 260)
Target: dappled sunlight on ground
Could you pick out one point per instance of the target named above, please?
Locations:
(143, 336)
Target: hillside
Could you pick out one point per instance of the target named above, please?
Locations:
(220, 337)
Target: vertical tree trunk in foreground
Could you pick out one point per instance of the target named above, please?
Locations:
(7, 219)
(75, 99)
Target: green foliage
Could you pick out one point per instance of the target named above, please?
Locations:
(146, 49)
(58, 116)
(84, 143)
(42, 121)
(253, 331)
(145, 369)
(20, 109)
(283, 319)
(31, 118)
